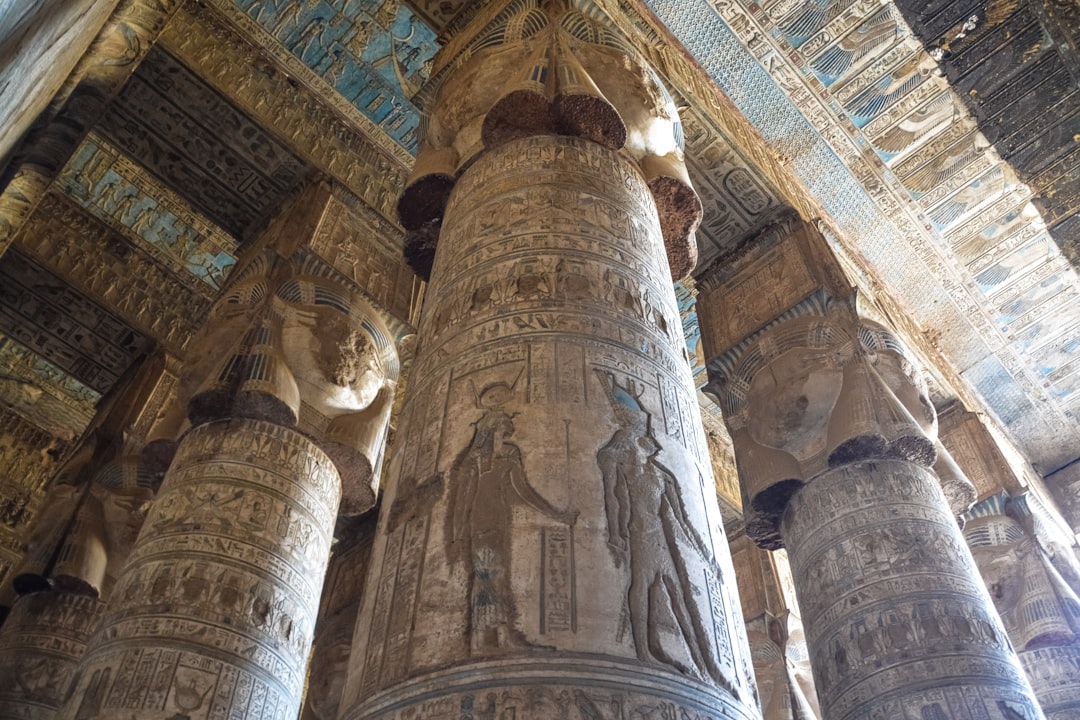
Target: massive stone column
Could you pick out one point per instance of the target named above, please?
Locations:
(41, 643)
(1025, 551)
(82, 537)
(1036, 595)
(57, 603)
(835, 440)
(287, 392)
(550, 544)
(774, 628)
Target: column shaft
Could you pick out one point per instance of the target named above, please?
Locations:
(552, 544)
(1031, 589)
(897, 620)
(214, 612)
(41, 644)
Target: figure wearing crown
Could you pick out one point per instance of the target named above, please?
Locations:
(487, 480)
(647, 527)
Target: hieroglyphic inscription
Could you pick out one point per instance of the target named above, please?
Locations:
(235, 548)
(41, 644)
(68, 242)
(366, 248)
(549, 305)
(863, 539)
(205, 149)
(118, 191)
(27, 458)
(43, 394)
(1055, 676)
(353, 156)
(558, 581)
(69, 330)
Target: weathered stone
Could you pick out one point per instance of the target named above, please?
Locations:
(549, 436)
(215, 610)
(897, 620)
(41, 644)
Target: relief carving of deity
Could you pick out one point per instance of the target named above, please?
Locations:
(648, 528)
(487, 480)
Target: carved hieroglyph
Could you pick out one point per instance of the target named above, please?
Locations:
(41, 644)
(550, 516)
(342, 593)
(114, 54)
(214, 613)
(897, 620)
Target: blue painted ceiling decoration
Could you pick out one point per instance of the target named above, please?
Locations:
(116, 190)
(842, 90)
(374, 54)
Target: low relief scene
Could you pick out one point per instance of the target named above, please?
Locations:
(423, 359)
(648, 527)
(487, 482)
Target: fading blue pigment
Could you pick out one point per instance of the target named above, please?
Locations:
(741, 76)
(377, 69)
(692, 332)
(114, 199)
(14, 353)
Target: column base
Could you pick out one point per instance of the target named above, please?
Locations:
(568, 687)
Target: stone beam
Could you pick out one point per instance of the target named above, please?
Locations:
(290, 101)
(125, 38)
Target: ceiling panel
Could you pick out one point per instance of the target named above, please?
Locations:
(71, 331)
(200, 146)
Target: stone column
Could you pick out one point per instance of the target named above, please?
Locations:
(834, 437)
(1034, 596)
(342, 594)
(55, 605)
(81, 539)
(41, 643)
(774, 628)
(214, 613)
(550, 544)
(1025, 551)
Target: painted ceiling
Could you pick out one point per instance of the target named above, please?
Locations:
(1015, 63)
(244, 99)
(863, 114)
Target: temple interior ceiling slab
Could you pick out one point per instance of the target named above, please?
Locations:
(242, 101)
(198, 144)
(865, 117)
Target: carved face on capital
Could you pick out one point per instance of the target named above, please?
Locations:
(332, 357)
(793, 400)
